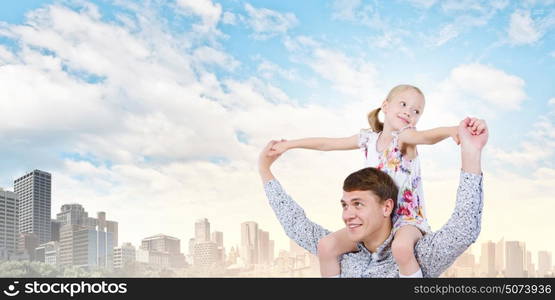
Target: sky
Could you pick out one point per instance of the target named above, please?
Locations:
(155, 112)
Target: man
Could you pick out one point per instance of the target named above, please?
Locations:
(367, 215)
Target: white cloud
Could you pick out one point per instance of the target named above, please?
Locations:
(354, 77)
(551, 101)
(522, 29)
(447, 33)
(495, 87)
(209, 55)
(209, 12)
(537, 148)
(229, 18)
(423, 3)
(467, 15)
(269, 70)
(355, 11)
(267, 23)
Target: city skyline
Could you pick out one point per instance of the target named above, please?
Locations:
(202, 230)
(156, 111)
(503, 257)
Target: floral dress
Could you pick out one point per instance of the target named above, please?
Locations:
(406, 173)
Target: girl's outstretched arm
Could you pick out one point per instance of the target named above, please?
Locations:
(317, 143)
(428, 137)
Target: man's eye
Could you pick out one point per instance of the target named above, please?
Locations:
(357, 204)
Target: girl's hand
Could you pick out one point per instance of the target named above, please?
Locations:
(477, 126)
(454, 133)
(279, 148)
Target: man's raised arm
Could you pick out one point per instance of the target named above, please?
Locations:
(436, 251)
(291, 216)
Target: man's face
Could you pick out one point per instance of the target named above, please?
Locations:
(362, 213)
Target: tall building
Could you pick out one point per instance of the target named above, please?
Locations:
(545, 263)
(249, 243)
(515, 256)
(263, 247)
(487, 259)
(500, 256)
(205, 254)
(124, 255)
(202, 230)
(530, 267)
(218, 238)
(55, 230)
(72, 214)
(9, 224)
(84, 241)
(271, 251)
(35, 197)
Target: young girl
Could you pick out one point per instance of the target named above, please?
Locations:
(391, 147)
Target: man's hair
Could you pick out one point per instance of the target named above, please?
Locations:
(374, 180)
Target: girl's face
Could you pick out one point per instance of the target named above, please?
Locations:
(403, 109)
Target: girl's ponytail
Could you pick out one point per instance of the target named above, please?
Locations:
(374, 121)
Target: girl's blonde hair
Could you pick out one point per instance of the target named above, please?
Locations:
(373, 119)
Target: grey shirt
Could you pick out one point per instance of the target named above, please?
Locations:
(435, 252)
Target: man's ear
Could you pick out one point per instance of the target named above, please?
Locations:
(388, 207)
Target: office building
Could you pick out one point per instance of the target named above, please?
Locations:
(34, 191)
(9, 224)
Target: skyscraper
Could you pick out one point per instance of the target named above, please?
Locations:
(500, 256)
(530, 267)
(271, 252)
(72, 214)
(55, 230)
(205, 254)
(249, 242)
(35, 197)
(487, 259)
(515, 256)
(9, 224)
(202, 230)
(545, 263)
(218, 238)
(263, 247)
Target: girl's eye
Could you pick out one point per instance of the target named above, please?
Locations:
(416, 111)
(403, 104)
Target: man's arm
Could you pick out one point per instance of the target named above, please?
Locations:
(291, 216)
(436, 251)
(293, 219)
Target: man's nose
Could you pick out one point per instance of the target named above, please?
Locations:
(348, 214)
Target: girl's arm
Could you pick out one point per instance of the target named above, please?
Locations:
(318, 143)
(428, 137)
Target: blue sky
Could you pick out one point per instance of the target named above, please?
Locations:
(163, 106)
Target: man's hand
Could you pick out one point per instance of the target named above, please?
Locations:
(473, 134)
(265, 161)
